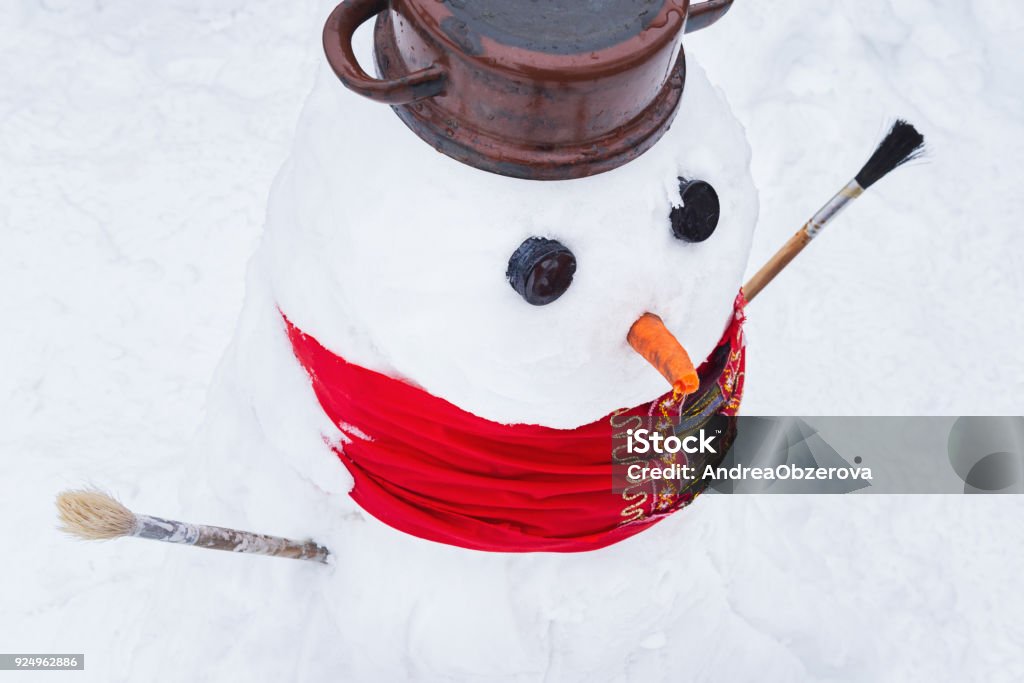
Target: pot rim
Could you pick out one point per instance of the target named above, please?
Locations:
(667, 26)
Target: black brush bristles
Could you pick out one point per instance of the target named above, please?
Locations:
(902, 144)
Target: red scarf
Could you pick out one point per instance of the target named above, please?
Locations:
(430, 469)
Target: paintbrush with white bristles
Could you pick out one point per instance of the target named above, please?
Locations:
(902, 144)
(93, 516)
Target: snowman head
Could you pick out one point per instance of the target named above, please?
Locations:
(510, 298)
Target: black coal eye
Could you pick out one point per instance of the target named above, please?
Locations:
(697, 218)
(541, 270)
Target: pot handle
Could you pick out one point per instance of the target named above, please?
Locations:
(703, 14)
(338, 31)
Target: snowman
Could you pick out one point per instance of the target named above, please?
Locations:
(452, 303)
(473, 331)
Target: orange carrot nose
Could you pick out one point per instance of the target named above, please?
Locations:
(651, 339)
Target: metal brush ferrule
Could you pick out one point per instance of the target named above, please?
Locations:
(833, 208)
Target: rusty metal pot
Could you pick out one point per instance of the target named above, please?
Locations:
(538, 89)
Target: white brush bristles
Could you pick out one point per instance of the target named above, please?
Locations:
(94, 515)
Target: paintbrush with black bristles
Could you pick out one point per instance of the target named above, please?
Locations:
(902, 144)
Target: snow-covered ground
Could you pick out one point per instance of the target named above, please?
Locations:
(137, 147)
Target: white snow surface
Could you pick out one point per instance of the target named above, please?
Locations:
(137, 146)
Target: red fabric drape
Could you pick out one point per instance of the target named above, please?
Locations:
(433, 470)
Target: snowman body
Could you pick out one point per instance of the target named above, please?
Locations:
(393, 257)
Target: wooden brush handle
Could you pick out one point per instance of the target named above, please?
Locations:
(797, 242)
(781, 259)
(231, 540)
